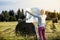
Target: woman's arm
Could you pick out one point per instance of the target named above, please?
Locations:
(29, 17)
(31, 14)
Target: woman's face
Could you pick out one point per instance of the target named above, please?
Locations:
(42, 11)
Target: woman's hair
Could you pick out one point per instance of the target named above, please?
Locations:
(42, 11)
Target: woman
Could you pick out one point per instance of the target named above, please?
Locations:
(41, 23)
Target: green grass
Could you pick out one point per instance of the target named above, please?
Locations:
(7, 31)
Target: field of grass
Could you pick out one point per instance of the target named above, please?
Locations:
(7, 31)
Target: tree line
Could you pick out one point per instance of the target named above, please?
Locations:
(51, 15)
(12, 16)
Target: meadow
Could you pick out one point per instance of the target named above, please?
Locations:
(7, 31)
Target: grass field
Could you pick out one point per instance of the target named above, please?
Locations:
(7, 31)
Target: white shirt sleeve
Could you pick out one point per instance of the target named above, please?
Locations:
(45, 16)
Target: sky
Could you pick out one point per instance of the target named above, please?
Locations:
(50, 5)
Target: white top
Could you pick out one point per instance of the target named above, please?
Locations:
(43, 20)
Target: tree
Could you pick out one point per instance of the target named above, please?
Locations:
(19, 14)
(11, 13)
(23, 16)
(16, 17)
(48, 15)
(5, 15)
(1, 17)
(12, 16)
(59, 16)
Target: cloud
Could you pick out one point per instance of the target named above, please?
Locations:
(4, 3)
(8, 2)
(15, 4)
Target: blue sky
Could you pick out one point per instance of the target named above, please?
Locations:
(15, 4)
